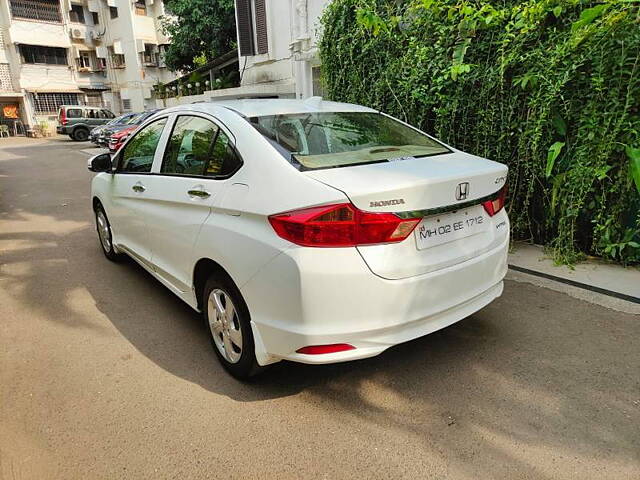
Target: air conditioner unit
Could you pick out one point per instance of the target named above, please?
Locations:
(76, 33)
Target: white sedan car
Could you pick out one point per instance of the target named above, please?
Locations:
(310, 231)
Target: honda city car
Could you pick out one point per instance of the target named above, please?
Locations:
(309, 231)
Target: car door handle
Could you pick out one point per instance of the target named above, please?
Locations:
(199, 193)
(138, 188)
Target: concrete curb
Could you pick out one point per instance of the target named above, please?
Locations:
(608, 285)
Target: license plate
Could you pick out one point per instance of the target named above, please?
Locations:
(439, 229)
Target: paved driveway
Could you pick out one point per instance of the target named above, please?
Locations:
(105, 374)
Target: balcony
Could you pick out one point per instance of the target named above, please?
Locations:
(36, 10)
(31, 32)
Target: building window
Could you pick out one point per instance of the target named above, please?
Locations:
(126, 104)
(42, 10)
(252, 27)
(95, 100)
(113, 12)
(150, 55)
(95, 18)
(101, 63)
(84, 61)
(117, 59)
(141, 7)
(48, 55)
(49, 102)
(76, 14)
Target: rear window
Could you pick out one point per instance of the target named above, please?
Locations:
(141, 117)
(133, 120)
(319, 140)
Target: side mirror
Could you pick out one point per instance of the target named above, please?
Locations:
(100, 163)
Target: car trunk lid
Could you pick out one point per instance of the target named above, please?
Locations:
(415, 183)
(446, 189)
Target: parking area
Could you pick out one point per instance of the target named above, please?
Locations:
(105, 374)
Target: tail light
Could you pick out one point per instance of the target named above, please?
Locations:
(496, 204)
(63, 116)
(341, 225)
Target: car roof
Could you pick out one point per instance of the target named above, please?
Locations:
(83, 107)
(259, 107)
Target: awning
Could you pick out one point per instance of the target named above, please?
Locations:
(54, 90)
(97, 88)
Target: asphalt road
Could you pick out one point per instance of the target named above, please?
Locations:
(105, 374)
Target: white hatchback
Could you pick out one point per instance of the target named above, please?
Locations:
(311, 231)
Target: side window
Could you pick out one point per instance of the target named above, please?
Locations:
(223, 160)
(138, 153)
(74, 113)
(108, 114)
(189, 146)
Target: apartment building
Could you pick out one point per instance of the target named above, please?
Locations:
(96, 52)
(277, 45)
(277, 53)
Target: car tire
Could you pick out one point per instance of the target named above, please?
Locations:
(220, 298)
(80, 134)
(105, 236)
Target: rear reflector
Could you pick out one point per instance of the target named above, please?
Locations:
(320, 349)
(341, 225)
(496, 204)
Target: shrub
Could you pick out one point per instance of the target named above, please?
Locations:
(549, 87)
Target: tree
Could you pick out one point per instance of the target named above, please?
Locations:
(198, 28)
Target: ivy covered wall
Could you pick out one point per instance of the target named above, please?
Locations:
(549, 87)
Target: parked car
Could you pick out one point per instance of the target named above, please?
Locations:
(78, 120)
(117, 139)
(105, 136)
(97, 135)
(117, 135)
(309, 231)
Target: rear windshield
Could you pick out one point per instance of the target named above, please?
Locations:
(141, 117)
(115, 121)
(338, 139)
(134, 120)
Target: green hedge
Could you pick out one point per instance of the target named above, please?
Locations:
(551, 88)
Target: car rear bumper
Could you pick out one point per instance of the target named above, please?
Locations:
(308, 296)
(62, 130)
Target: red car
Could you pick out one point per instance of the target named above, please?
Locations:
(117, 139)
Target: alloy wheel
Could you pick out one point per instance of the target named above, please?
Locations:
(103, 231)
(225, 325)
